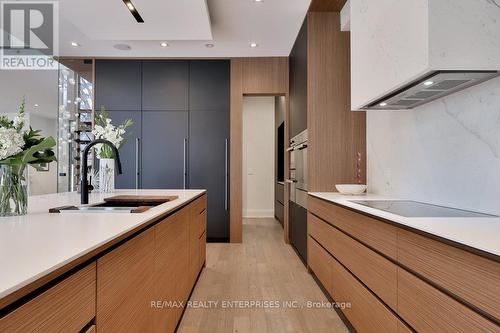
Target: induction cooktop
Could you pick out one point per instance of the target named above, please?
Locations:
(409, 208)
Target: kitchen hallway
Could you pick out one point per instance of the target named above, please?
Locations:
(262, 268)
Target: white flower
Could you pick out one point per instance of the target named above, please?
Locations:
(11, 142)
(110, 133)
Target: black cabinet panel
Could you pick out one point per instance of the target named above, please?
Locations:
(298, 83)
(280, 190)
(163, 135)
(130, 150)
(279, 212)
(165, 85)
(208, 132)
(298, 229)
(209, 85)
(118, 84)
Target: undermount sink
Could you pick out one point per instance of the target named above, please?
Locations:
(118, 204)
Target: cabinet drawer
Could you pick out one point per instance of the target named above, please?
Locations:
(376, 272)
(427, 309)
(202, 250)
(198, 216)
(66, 307)
(320, 262)
(473, 278)
(366, 313)
(377, 234)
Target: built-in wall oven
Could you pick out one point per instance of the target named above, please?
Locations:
(298, 194)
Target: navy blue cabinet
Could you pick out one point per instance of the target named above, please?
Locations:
(118, 84)
(130, 151)
(164, 149)
(165, 85)
(181, 122)
(209, 85)
(209, 166)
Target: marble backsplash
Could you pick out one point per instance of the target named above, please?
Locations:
(446, 152)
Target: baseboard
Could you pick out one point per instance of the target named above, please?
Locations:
(258, 213)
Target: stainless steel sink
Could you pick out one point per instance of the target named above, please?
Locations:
(98, 209)
(117, 204)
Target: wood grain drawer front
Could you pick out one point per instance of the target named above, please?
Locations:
(320, 262)
(376, 272)
(472, 278)
(198, 216)
(66, 307)
(91, 329)
(427, 309)
(377, 234)
(125, 286)
(202, 251)
(198, 205)
(367, 313)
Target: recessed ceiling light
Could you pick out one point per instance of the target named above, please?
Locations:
(36, 105)
(75, 44)
(253, 45)
(133, 11)
(428, 83)
(163, 44)
(209, 45)
(383, 104)
(257, 1)
(122, 47)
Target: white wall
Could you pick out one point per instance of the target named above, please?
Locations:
(445, 152)
(43, 182)
(258, 157)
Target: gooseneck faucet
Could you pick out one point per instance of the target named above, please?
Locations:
(84, 183)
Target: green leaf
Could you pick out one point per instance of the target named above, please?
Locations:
(40, 152)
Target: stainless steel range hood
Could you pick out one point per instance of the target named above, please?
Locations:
(430, 87)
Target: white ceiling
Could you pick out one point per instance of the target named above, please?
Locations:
(111, 19)
(232, 24)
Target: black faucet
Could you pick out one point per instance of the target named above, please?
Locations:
(84, 183)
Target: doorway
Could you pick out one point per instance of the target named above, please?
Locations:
(263, 157)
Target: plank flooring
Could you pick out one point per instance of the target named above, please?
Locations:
(262, 268)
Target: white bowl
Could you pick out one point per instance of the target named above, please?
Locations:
(350, 189)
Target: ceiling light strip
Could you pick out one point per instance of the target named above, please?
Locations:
(133, 11)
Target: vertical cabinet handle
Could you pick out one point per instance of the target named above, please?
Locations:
(225, 175)
(184, 172)
(137, 171)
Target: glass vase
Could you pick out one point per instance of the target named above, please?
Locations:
(13, 191)
(106, 175)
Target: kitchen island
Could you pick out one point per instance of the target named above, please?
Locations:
(119, 263)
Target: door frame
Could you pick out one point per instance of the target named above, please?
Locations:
(236, 148)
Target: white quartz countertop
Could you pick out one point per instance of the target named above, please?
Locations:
(481, 233)
(39, 243)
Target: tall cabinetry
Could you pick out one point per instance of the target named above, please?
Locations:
(180, 136)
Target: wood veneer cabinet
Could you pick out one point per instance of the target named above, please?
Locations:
(66, 307)
(430, 285)
(376, 234)
(157, 265)
(378, 273)
(125, 285)
(172, 283)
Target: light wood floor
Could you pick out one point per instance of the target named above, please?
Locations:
(262, 268)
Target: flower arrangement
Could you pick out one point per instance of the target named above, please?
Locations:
(104, 129)
(18, 148)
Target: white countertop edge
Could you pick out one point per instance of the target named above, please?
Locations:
(486, 229)
(149, 216)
